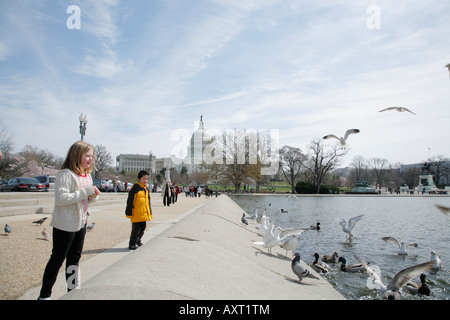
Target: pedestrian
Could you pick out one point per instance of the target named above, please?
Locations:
(166, 192)
(138, 209)
(199, 191)
(74, 189)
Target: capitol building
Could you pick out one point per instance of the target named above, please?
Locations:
(197, 144)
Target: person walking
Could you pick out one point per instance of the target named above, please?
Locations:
(166, 192)
(138, 209)
(74, 189)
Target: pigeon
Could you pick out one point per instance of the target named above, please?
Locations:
(437, 260)
(342, 140)
(448, 67)
(401, 278)
(319, 266)
(244, 219)
(350, 268)
(399, 109)
(348, 227)
(444, 210)
(91, 226)
(7, 229)
(300, 271)
(46, 234)
(400, 245)
(40, 221)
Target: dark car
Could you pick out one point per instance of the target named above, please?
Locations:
(2, 182)
(23, 184)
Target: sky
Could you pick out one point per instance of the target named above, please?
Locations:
(144, 71)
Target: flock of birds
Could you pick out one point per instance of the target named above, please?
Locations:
(46, 235)
(289, 240)
(343, 140)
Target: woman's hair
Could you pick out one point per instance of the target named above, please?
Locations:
(73, 159)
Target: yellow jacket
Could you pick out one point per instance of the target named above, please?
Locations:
(138, 204)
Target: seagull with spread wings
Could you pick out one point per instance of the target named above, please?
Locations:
(342, 140)
(399, 109)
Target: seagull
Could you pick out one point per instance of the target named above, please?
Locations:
(348, 227)
(244, 219)
(290, 243)
(91, 226)
(401, 278)
(437, 260)
(7, 229)
(276, 236)
(264, 226)
(319, 266)
(399, 109)
(400, 245)
(416, 288)
(448, 67)
(254, 215)
(300, 271)
(444, 210)
(46, 234)
(40, 221)
(330, 258)
(344, 139)
(350, 268)
(316, 227)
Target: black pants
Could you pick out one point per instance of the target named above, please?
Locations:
(137, 231)
(166, 199)
(66, 246)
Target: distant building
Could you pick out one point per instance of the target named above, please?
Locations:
(199, 141)
(133, 162)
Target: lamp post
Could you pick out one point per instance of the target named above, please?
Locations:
(83, 122)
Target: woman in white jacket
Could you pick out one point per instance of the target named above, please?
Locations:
(74, 190)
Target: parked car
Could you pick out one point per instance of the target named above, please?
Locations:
(48, 181)
(23, 184)
(101, 184)
(2, 182)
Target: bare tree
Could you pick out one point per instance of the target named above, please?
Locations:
(379, 168)
(103, 160)
(291, 160)
(321, 161)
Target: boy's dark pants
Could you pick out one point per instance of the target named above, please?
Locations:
(137, 231)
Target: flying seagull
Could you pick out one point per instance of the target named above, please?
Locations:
(342, 140)
(401, 278)
(347, 227)
(448, 67)
(399, 109)
(444, 210)
(400, 245)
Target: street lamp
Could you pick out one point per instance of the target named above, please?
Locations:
(83, 122)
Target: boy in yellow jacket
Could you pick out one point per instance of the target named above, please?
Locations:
(138, 209)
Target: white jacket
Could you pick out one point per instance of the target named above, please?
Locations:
(68, 212)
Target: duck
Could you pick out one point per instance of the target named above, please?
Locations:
(318, 266)
(350, 268)
(284, 211)
(315, 227)
(437, 260)
(347, 227)
(400, 245)
(300, 271)
(330, 258)
(416, 288)
(401, 278)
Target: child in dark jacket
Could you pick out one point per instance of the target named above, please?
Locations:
(138, 209)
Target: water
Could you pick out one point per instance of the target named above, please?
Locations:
(409, 219)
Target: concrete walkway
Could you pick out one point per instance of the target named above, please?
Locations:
(206, 254)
